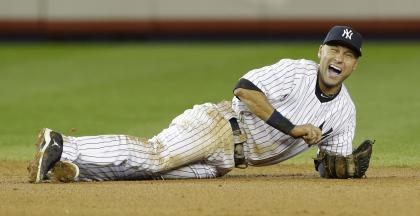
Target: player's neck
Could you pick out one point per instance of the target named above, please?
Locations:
(325, 93)
(328, 90)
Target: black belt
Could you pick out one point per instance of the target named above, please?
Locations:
(238, 140)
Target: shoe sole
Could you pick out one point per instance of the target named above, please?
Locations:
(43, 136)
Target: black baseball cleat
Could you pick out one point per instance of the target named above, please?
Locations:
(50, 148)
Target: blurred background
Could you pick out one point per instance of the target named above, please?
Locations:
(86, 67)
(152, 19)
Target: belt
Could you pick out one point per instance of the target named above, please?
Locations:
(238, 140)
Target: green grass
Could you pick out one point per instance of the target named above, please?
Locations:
(137, 88)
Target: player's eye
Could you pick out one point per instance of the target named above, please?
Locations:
(334, 50)
(349, 55)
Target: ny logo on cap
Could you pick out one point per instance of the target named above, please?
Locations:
(347, 34)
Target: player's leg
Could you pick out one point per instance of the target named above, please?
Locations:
(116, 157)
(106, 157)
(64, 171)
(199, 134)
(109, 157)
(194, 171)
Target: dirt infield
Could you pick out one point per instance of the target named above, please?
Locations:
(275, 190)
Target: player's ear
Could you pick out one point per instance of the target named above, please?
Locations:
(355, 64)
(320, 51)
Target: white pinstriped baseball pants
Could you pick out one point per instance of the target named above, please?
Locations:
(197, 144)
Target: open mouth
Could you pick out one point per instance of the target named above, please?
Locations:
(334, 69)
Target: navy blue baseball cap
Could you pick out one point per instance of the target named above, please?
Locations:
(345, 36)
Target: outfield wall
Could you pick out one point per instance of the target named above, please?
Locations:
(61, 17)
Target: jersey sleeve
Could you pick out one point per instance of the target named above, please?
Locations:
(340, 143)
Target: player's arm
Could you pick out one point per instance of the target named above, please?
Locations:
(258, 104)
(254, 98)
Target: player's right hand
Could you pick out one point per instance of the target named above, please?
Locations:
(311, 134)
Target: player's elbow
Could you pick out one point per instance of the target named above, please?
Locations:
(238, 92)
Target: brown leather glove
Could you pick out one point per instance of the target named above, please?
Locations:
(352, 166)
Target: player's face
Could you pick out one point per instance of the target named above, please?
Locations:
(336, 64)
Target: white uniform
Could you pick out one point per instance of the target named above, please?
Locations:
(291, 87)
(199, 142)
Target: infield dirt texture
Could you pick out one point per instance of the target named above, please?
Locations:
(136, 89)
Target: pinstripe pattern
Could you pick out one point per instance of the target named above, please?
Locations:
(200, 170)
(197, 144)
(290, 87)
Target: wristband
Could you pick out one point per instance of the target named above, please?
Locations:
(280, 122)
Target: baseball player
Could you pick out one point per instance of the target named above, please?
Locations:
(277, 112)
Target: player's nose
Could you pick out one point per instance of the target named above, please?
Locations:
(339, 57)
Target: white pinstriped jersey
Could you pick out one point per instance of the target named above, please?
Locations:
(290, 86)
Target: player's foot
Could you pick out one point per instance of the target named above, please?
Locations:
(64, 171)
(49, 150)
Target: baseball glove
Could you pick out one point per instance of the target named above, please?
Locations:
(352, 166)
